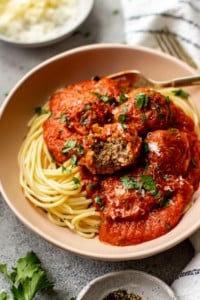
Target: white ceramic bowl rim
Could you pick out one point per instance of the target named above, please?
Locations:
(151, 278)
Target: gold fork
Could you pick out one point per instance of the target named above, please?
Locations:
(168, 43)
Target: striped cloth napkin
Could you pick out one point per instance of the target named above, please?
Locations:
(144, 18)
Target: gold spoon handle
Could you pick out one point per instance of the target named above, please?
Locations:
(179, 82)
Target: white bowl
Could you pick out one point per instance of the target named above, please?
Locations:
(140, 283)
(33, 90)
(83, 10)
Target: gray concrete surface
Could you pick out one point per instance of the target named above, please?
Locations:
(70, 272)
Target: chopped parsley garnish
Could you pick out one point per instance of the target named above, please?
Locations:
(63, 118)
(145, 147)
(124, 126)
(122, 98)
(181, 93)
(167, 225)
(73, 160)
(149, 184)
(68, 146)
(143, 118)
(141, 100)
(88, 106)
(166, 199)
(98, 200)
(125, 108)
(27, 278)
(144, 181)
(40, 110)
(122, 118)
(76, 180)
(80, 149)
(130, 183)
(91, 186)
(71, 144)
(167, 99)
(104, 98)
(65, 170)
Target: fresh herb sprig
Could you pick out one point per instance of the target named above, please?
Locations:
(27, 278)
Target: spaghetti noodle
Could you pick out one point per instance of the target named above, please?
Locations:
(57, 190)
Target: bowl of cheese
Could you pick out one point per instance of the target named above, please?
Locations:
(29, 23)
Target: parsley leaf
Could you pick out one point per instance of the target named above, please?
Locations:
(40, 110)
(141, 100)
(143, 116)
(168, 225)
(98, 200)
(167, 99)
(122, 98)
(76, 180)
(27, 279)
(130, 183)
(65, 170)
(148, 184)
(68, 146)
(104, 98)
(80, 149)
(73, 160)
(165, 201)
(63, 118)
(181, 93)
(122, 118)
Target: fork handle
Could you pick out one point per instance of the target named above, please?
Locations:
(180, 82)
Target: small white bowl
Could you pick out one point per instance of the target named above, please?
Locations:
(83, 10)
(140, 283)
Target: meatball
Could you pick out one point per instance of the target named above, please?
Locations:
(85, 103)
(146, 108)
(61, 142)
(111, 148)
(169, 151)
(124, 198)
(156, 222)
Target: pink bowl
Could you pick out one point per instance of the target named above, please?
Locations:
(33, 90)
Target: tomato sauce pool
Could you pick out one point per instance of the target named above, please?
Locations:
(138, 154)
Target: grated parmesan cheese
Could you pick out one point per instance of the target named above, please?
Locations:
(36, 20)
(153, 147)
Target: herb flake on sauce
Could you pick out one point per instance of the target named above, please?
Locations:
(141, 100)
